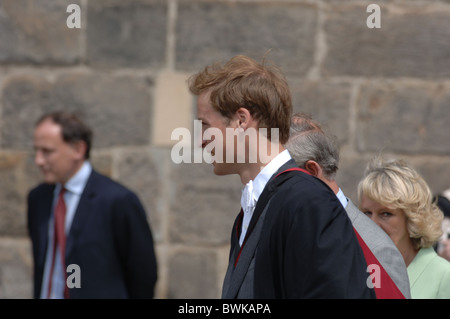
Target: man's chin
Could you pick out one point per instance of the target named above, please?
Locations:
(221, 169)
(48, 179)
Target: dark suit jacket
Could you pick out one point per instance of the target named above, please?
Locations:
(302, 246)
(110, 240)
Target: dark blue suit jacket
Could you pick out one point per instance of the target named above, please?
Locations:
(110, 240)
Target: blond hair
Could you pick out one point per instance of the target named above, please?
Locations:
(243, 82)
(395, 184)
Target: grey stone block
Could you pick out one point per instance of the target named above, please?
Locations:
(326, 102)
(411, 42)
(435, 171)
(16, 281)
(117, 108)
(12, 196)
(36, 32)
(203, 205)
(126, 33)
(208, 31)
(410, 118)
(193, 275)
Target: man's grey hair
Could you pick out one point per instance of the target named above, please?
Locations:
(309, 141)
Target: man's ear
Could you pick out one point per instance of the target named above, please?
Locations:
(243, 118)
(313, 168)
(80, 148)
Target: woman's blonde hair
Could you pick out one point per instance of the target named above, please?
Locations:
(395, 184)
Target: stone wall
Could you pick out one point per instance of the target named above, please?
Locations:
(382, 89)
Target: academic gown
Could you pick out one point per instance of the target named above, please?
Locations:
(302, 245)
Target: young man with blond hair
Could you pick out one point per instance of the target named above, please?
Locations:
(292, 237)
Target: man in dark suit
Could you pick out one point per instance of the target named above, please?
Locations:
(292, 238)
(317, 151)
(97, 225)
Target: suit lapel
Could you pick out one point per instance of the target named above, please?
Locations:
(236, 274)
(226, 292)
(82, 212)
(46, 210)
(266, 195)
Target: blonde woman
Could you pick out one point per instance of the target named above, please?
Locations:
(399, 200)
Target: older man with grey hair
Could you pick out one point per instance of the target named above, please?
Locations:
(317, 151)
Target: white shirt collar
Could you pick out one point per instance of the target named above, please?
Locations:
(76, 184)
(267, 172)
(340, 195)
(255, 188)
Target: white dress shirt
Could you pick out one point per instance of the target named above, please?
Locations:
(253, 189)
(74, 188)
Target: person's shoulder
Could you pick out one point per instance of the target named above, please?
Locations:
(443, 264)
(440, 267)
(301, 180)
(302, 186)
(305, 192)
(41, 189)
(434, 263)
(108, 184)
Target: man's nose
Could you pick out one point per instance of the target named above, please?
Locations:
(200, 141)
(38, 158)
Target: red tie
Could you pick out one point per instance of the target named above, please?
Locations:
(60, 239)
